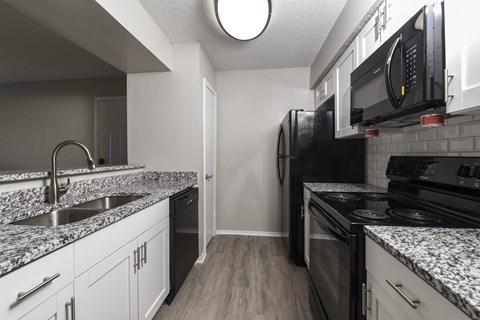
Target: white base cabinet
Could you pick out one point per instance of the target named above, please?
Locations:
(118, 273)
(384, 302)
(306, 220)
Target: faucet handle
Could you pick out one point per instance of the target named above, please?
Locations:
(63, 189)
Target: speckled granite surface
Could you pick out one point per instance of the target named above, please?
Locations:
(20, 245)
(447, 259)
(342, 187)
(9, 176)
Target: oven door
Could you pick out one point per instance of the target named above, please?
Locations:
(332, 264)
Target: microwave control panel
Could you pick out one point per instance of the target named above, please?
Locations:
(411, 72)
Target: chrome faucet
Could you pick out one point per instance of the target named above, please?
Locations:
(55, 191)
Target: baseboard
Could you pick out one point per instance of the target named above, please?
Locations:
(249, 233)
(202, 258)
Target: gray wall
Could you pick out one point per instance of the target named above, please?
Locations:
(36, 116)
(165, 116)
(251, 105)
(460, 137)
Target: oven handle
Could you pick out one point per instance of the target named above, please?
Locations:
(332, 227)
(396, 102)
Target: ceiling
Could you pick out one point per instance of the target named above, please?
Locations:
(31, 52)
(293, 38)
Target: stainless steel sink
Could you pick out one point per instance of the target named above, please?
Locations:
(59, 217)
(78, 212)
(107, 202)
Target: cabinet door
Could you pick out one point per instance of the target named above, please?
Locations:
(54, 308)
(462, 49)
(395, 13)
(345, 66)
(307, 232)
(154, 274)
(369, 38)
(108, 290)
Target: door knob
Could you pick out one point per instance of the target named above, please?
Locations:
(209, 176)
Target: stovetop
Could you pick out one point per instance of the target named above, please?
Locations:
(353, 210)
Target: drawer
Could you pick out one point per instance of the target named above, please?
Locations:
(97, 246)
(31, 275)
(382, 266)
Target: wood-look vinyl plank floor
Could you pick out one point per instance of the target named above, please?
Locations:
(242, 278)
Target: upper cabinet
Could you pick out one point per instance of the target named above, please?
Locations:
(462, 48)
(370, 37)
(345, 65)
(325, 89)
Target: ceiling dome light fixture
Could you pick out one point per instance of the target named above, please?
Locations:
(243, 19)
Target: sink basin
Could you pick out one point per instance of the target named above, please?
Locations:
(107, 202)
(59, 217)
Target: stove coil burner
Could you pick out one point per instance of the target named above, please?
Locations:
(416, 215)
(370, 214)
(342, 196)
(375, 196)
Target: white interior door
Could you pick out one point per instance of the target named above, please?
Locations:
(209, 109)
(111, 130)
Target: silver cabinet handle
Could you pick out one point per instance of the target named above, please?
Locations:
(365, 306)
(209, 176)
(71, 304)
(136, 260)
(143, 249)
(396, 287)
(446, 78)
(23, 295)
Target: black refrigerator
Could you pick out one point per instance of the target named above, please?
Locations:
(307, 151)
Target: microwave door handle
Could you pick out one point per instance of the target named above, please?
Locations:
(388, 74)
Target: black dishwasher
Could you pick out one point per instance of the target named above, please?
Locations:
(183, 237)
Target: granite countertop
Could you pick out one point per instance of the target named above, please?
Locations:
(447, 259)
(21, 244)
(342, 187)
(9, 176)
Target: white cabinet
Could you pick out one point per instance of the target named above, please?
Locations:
(325, 89)
(306, 217)
(46, 279)
(153, 276)
(369, 38)
(462, 49)
(132, 282)
(57, 307)
(346, 64)
(109, 289)
(384, 300)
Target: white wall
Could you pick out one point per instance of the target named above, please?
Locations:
(36, 116)
(165, 123)
(251, 105)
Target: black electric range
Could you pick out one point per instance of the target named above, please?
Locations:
(422, 191)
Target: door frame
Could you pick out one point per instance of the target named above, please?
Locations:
(208, 86)
(96, 106)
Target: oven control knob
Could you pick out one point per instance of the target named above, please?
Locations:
(463, 171)
(476, 172)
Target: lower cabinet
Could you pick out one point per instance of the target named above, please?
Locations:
(393, 292)
(306, 220)
(119, 272)
(57, 307)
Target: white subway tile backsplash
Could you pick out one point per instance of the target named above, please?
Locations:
(437, 146)
(410, 136)
(419, 146)
(460, 137)
(397, 137)
(459, 119)
(448, 132)
(403, 147)
(460, 145)
(427, 134)
(470, 129)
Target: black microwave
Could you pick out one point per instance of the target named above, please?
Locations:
(405, 75)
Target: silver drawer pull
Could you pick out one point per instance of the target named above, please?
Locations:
(396, 287)
(22, 295)
(71, 304)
